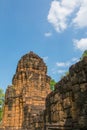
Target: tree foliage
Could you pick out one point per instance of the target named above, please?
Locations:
(52, 84)
(84, 54)
(2, 95)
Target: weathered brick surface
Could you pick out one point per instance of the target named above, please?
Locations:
(25, 99)
(66, 106)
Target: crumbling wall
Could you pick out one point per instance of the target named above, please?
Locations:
(66, 106)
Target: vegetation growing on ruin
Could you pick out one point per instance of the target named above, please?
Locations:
(52, 84)
(83, 55)
(1, 103)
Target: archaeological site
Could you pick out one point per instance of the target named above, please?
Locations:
(31, 105)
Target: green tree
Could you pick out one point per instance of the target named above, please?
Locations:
(84, 54)
(52, 84)
(2, 95)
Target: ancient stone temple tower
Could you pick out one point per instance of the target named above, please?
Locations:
(26, 97)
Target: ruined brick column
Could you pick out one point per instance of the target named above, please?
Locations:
(25, 98)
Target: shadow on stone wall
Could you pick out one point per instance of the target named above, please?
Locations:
(66, 106)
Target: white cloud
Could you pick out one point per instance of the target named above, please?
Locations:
(81, 44)
(58, 71)
(62, 64)
(45, 58)
(48, 34)
(61, 71)
(67, 63)
(74, 59)
(60, 11)
(57, 16)
(81, 15)
(61, 67)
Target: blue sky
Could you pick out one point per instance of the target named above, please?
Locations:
(56, 30)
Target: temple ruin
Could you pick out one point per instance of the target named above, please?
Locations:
(66, 106)
(30, 105)
(25, 98)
